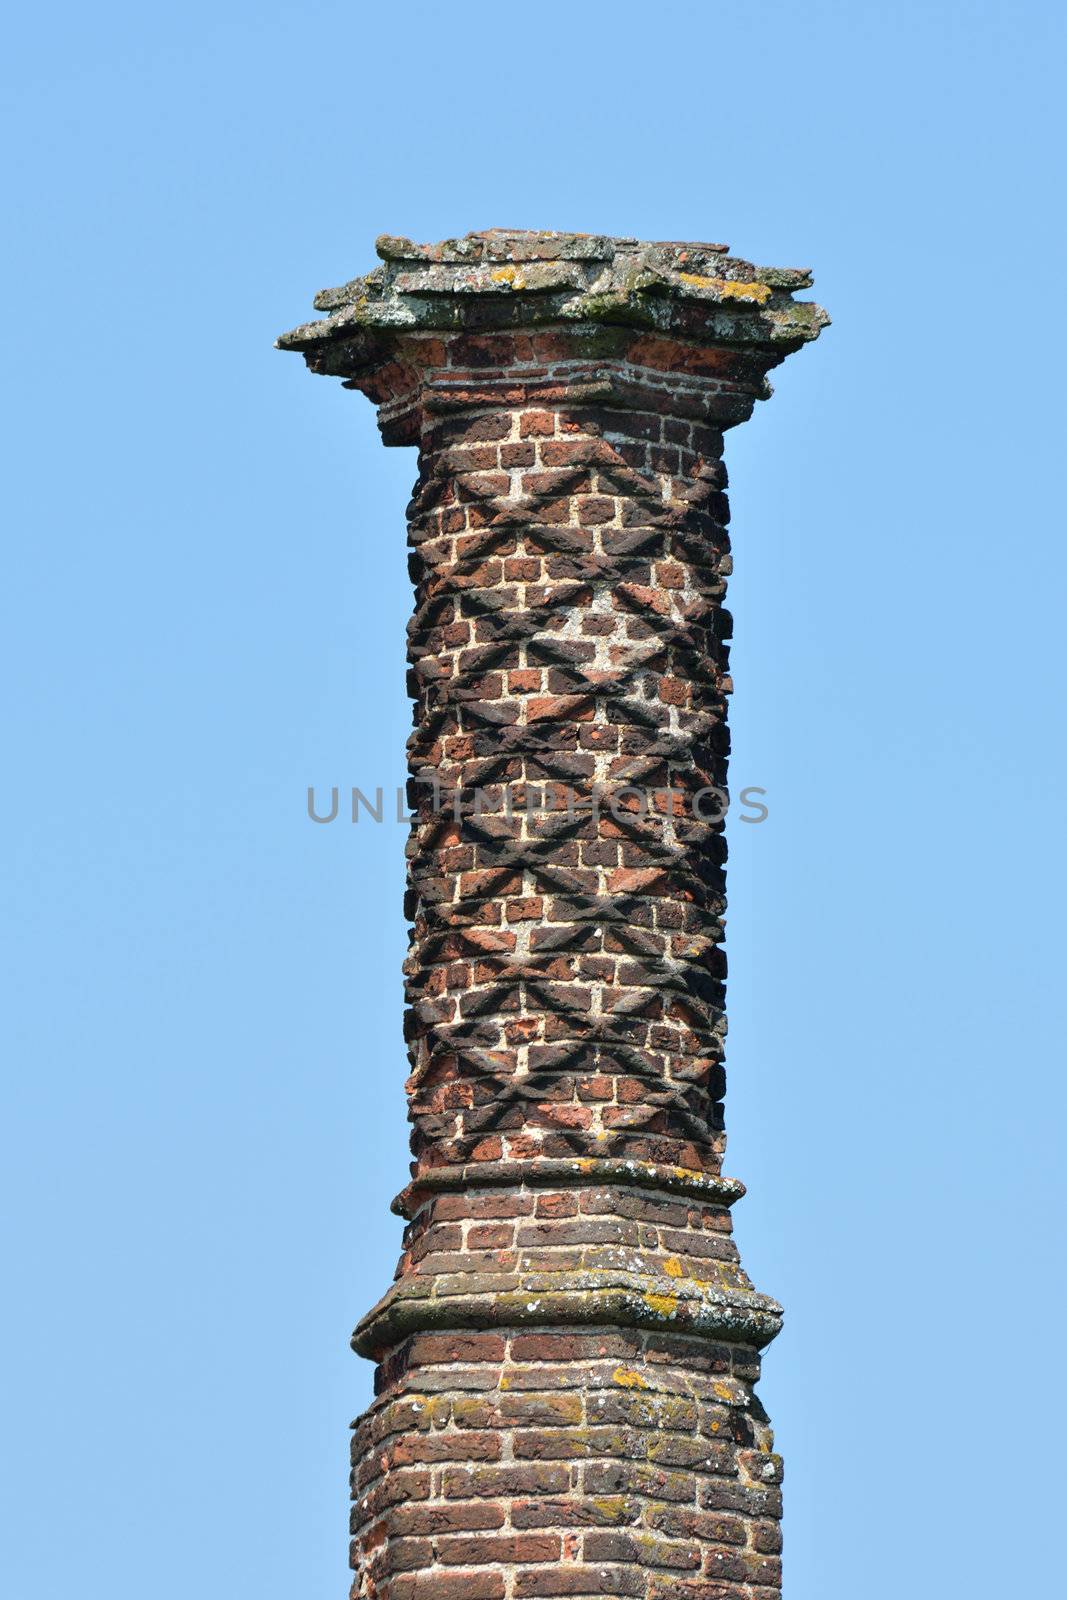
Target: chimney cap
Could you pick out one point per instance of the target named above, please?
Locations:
(513, 278)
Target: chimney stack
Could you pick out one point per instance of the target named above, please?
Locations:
(566, 1360)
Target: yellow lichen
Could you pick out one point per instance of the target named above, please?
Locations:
(723, 1391)
(673, 1267)
(729, 288)
(509, 275)
(664, 1305)
(612, 1507)
(745, 291)
(627, 1379)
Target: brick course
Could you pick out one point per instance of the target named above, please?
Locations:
(567, 1356)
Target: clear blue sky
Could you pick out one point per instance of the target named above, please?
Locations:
(203, 612)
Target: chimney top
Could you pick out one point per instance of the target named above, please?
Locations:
(511, 278)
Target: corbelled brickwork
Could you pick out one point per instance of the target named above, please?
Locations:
(567, 1356)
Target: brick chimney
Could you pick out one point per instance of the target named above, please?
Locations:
(566, 1360)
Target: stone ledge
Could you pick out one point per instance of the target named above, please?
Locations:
(614, 1297)
(514, 279)
(556, 1173)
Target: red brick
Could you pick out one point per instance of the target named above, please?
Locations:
(564, 983)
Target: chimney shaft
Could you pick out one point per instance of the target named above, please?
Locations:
(566, 1359)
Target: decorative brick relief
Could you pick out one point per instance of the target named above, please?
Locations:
(566, 1358)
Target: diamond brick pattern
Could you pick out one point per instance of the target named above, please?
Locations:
(566, 1358)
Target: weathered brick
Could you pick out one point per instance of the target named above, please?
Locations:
(564, 984)
(466, 1483)
(482, 1550)
(432, 1348)
(540, 424)
(544, 1582)
(432, 1584)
